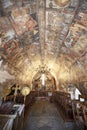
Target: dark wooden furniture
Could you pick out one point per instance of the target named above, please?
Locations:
(64, 101)
(80, 112)
(12, 115)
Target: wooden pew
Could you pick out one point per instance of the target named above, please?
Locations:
(84, 109)
(83, 99)
(80, 112)
(64, 101)
(73, 108)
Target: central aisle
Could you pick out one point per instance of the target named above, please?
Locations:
(44, 116)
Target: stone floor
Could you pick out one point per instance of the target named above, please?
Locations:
(44, 116)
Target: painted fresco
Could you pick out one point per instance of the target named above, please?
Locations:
(34, 33)
(22, 21)
(6, 31)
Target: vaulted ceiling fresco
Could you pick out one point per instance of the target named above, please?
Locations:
(49, 34)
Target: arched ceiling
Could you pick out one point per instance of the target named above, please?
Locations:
(38, 33)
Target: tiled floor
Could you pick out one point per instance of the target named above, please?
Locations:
(45, 116)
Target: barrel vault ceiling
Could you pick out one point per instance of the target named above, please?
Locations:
(37, 34)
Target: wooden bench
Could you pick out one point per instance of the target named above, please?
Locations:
(64, 101)
(84, 109)
(80, 112)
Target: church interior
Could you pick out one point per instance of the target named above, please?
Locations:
(43, 64)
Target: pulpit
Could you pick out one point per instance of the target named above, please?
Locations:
(11, 119)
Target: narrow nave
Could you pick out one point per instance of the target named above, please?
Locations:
(43, 64)
(44, 115)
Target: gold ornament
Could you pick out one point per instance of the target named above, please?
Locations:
(62, 2)
(25, 91)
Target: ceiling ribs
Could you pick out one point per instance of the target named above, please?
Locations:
(41, 11)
